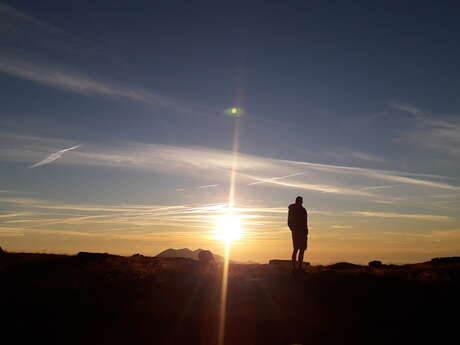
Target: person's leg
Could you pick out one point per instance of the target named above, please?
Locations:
(294, 257)
(301, 252)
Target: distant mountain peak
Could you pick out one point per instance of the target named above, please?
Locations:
(184, 253)
(171, 252)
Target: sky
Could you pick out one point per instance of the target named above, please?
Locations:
(116, 136)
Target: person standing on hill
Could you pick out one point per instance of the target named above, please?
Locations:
(297, 222)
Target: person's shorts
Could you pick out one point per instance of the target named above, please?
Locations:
(299, 239)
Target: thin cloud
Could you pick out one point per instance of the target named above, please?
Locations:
(365, 156)
(45, 204)
(85, 85)
(436, 132)
(307, 186)
(194, 161)
(347, 154)
(380, 187)
(23, 57)
(135, 222)
(386, 202)
(277, 178)
(208, 186)
(430, 217)
(47, 215)
(410, 180)
(15, 22)
(394, 176)
(10, 232)
(14, 215)
(408, 109)
(52, 157)
(450, 235)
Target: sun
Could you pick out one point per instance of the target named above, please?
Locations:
(228, 228)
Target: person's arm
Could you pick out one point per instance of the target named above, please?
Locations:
(306, 219)
(289, 222)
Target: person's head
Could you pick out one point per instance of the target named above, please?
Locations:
(299, 200)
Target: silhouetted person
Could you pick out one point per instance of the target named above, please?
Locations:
(297, 222)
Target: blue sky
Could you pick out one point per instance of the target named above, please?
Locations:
(354, 106)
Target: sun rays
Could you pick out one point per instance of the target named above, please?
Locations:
(231, 227)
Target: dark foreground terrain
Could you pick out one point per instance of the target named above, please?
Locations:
(103, 299)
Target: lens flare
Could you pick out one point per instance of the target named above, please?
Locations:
(234, 111)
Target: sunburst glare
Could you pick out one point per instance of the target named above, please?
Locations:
(228, 228)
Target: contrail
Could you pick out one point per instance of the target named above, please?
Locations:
(207, 186)
(52, 157)
(276, 178)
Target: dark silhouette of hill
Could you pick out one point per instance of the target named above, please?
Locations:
(94, 257)
(93, 298)
(179, 253)
(285, 263)
(447, 260)
(344, 266)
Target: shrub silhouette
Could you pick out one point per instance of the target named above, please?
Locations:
(375, 264)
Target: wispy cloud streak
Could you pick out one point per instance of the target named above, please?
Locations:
(47, 215)
(216, 164)
(208, 186)
(277, 178)
(52, 157)
(433, 131)
(377, 174)
(22, 57)
(85, 85)
(306, 186)
(430, 217)
(380, 187)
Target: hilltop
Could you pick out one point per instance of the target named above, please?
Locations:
(109, 299)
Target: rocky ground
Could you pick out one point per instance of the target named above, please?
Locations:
(104, 299)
